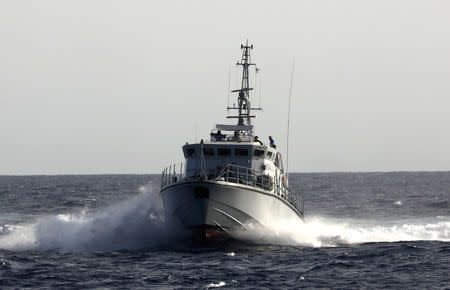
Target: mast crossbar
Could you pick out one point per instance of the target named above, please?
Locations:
(243, 106)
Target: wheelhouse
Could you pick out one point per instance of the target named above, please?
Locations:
(212, 157)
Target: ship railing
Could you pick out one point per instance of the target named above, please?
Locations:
(237, 174)
(172, 174)
(214, 137)
(256, 178)
(247, 176)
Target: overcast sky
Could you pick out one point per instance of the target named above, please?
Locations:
(120, 86)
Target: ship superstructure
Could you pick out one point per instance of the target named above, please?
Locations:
(232, 180)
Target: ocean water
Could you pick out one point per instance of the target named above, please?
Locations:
(362, 230)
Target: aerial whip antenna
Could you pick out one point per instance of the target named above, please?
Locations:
(289, 120)
(229, 77)
(260, 84)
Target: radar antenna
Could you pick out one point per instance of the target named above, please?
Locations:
(244, 109)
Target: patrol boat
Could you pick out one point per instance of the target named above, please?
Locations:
(232, 181)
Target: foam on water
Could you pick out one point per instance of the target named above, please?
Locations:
(322, 232)
(215, 285)
(135, 223)
(138, 223)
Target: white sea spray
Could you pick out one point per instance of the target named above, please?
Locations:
(134, 223)
(326, 232)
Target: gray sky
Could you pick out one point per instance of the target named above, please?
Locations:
(119, 86)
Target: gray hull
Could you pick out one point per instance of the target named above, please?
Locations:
(223, 205)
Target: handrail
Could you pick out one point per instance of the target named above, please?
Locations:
(234, 173)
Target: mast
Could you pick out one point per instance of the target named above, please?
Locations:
(244, 109)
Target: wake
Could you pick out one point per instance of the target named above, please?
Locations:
(138, 224)
(322, 232)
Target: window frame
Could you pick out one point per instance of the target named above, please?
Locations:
(191, 152)
(219, 150)
(236, 150)
(207, 151)
(262, 153)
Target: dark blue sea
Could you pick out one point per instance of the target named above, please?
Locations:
(362, 230)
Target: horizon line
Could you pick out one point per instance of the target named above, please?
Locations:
(296, 172)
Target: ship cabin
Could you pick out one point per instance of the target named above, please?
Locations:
(232, 154)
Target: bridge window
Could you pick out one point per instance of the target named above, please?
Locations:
(208, 151)
(223, 151)
(258, 153)
(241, 152)
(190, 152)
(269, 155)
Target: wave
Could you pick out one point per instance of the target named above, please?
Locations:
(326, 232)
(138, 223)
(132, 224)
